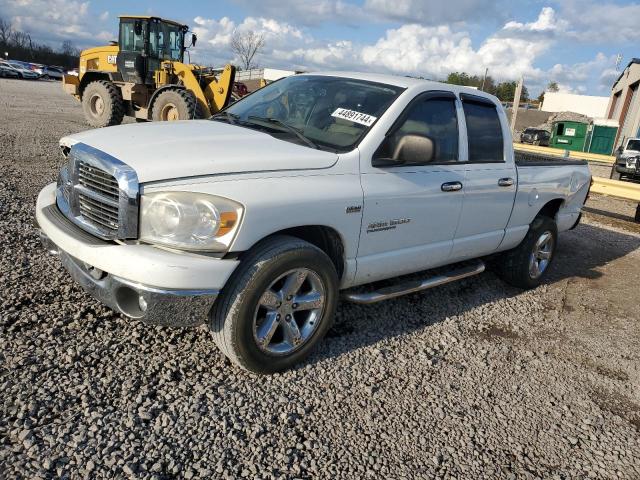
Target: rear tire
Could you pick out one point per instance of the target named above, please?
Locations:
(174, 105)
(256, 321)
(614, 175)
(102, 104)
(526, 265)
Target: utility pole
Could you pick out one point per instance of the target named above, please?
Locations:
(486, 71)
(516, 105)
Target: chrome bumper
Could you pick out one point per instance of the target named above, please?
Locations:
(174, 308)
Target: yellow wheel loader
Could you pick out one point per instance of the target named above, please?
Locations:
(144, 76)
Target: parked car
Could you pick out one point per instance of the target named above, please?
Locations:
(36, 67)
(255, 220)
(535, 136)
(8, 72)
(22, 72)
(52, 73)
(627, 165)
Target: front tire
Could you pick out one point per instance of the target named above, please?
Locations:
(102, 104)
(174, 105)
(277, 305)
(526, 265)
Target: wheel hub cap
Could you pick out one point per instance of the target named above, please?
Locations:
(170, 113)
(289, 311)
(541, 254)
(97, 105)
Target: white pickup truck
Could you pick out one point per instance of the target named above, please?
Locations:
(255, 220)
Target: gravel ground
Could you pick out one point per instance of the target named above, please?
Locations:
(470, 380)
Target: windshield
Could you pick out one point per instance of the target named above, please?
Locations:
(165, 41)
(330, 113)
(633, 145)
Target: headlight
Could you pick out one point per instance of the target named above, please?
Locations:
(632, 162)
(189, 221)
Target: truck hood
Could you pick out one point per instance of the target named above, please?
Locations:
(167, 150)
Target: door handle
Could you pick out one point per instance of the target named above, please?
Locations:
(451, 186)
(505, 182)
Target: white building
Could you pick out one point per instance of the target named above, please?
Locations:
(269, 74)
(591, 106)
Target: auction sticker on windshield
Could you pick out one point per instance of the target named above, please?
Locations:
(353, 116)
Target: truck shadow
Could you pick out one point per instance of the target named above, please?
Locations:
(581, 254)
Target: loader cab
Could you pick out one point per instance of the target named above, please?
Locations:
(145, 42)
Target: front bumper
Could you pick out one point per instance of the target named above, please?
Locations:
(154, 285)
(622, 168)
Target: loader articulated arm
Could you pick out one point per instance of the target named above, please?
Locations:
(216, 93)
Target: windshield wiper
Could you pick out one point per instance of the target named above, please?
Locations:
(232, 118)
(287, 127)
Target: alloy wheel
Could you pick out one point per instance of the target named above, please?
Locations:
(289, 312)
(541, 254)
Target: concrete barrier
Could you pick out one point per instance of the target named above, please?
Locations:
(590, 157)
(616, 188)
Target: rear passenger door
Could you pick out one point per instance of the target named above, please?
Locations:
(490, 182)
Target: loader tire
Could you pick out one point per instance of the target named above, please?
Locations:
(102, 104)
(174, 105)
(199, 113)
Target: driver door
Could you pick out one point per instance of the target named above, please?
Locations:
(411, 213)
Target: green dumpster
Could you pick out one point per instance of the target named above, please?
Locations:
(601, 137)
(569, 136)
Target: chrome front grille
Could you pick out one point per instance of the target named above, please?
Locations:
(99, 193)
(95, 179)
(99, 212)
(99, 197)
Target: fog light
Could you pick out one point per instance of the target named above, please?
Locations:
(142, 303)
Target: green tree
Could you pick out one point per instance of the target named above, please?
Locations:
(466, 80)
(505, 91)
(553, 87)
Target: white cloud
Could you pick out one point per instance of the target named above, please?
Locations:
(431, 12)
(426, 51)
(596, 22)
(427, 12)
(547, 21)
(214, 36)
(306, 12)
(434, 41)
(574, 77)
(56, 20)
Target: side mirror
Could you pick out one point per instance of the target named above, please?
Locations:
(194, 39)
(413, 150)
(137, 27)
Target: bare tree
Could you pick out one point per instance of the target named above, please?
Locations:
(68, 48)
(6, 31)
(20, 39)
(246, 45)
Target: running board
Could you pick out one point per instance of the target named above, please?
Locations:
(394, 291)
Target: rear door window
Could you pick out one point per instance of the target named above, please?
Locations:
(484, 131)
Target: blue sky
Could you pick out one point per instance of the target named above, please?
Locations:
(572, 42)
